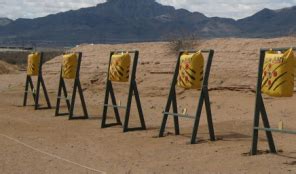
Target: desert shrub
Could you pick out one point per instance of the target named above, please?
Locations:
(183, 42)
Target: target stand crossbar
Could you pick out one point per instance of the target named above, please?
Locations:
(70, 100)
(36, 92)
(260, 110)
(204, 98)
(179, 115)
(133, 90)
(116, 106)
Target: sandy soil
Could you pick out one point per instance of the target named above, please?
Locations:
(6, 68)
(37, 142)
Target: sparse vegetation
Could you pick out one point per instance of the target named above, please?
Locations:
(184, 42)
(19, 58)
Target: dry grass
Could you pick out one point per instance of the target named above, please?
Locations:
(184, 42)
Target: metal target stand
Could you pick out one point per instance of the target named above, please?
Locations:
(133, 90)
(204, 98)
(77, 86)
(36, 92)
(260, 109)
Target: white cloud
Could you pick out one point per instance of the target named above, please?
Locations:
(222, 8)
(229, 8)
(36, 8)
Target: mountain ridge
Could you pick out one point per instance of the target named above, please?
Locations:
(120, 21)
(5, 21)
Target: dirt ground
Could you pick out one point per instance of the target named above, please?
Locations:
(37, 142)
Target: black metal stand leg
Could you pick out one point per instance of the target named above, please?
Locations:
(175, 110)
(197, 117)
(171, 97)
(37, 93)
(109, 91)
(165, 116)
(64, 88)
(266, 125)
(59, 98)
(72, 105)
(140, 111)
(45, 93)
(32, 88)
(209, 115)
(106, 101)
(113, 99)
(258, 105)
(163, 124)
(26, 92)
(128, 109)
(256, 124)
(82, 100)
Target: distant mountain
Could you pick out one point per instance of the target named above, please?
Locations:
(116, 21)
(269, 23)
(141, 20)
(5, 21)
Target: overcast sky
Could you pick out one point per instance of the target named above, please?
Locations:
(223, 8)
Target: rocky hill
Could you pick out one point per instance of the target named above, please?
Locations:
(121, 21)
(269, 23)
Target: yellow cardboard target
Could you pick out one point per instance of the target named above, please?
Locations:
(120, 67)
(278, 74)
(191, 70)
(33, 64)
(69, 66)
